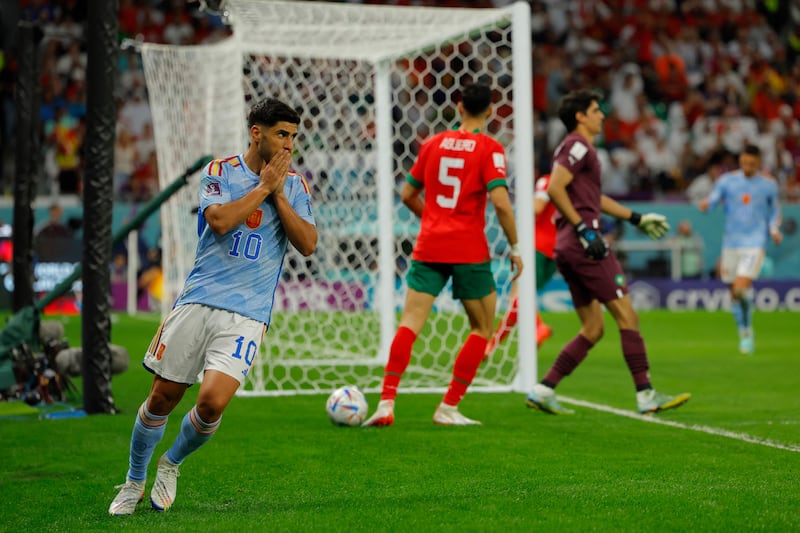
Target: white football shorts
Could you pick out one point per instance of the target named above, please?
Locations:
(740, 262)
(195, 338)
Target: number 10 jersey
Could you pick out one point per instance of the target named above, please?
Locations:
(239, 271)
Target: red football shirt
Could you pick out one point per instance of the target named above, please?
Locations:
(457, 168)
(545, 226)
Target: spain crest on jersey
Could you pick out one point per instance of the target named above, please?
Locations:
(254, 220)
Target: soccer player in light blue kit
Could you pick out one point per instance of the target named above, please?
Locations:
(251, 207)
(752, 212)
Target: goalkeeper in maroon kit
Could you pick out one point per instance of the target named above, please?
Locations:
(458, 170)
(592, 272)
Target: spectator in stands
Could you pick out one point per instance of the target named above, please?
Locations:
(674, 85)
(72, 65)
(766, 102)
(693, 53)
(145, 142)
(119, 267)
(76, 97)
(785, 167)
(151, 278)
(617, 175)
(52, 100)
(144, 180)
(557, 79)
(736, 129)
(135, 112)
(53, 227)
(178, 29)
(729, 82)
(626, 88)
(68, 136)
(131, 74)
(701, 186)
(128, 18)
(691, 246)
(150, 23)
(690, 48)
(663, 164)
(126, 158)
(791, 191)
(786, 124)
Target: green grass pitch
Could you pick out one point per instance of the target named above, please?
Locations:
(729, 460)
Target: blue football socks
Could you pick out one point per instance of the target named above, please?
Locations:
(147, 432)
(194, 433)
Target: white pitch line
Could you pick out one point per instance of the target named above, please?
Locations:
(692, 427)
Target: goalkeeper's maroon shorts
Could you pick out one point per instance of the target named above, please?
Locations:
(589, 279)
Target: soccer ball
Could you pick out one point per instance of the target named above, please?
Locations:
(347, 406)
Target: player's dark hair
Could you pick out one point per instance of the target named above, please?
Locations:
(270, 111)
(476, 98)
(752, 149)
(576, 102)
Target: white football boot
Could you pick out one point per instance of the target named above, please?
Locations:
(165, 486)
(383, 416)
(130, 494)
(448, 415)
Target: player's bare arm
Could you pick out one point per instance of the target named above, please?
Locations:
(609, 206)
(775, 222)
(775, 231)
(411, 198)
(505, 215)
(557, 190)
(222, 218)
(302, 234)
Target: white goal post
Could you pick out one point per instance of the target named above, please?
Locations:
(371, 84)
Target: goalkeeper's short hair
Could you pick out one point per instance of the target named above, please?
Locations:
(577, 101)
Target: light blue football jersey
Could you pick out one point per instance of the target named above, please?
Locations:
(751, 206)
(240, 270)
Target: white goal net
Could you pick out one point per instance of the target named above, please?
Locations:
(371, 83)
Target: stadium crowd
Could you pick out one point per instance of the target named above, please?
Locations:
(63, 57)
(687, 84)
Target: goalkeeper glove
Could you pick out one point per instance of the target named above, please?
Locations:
(653, 224)
(594, 245)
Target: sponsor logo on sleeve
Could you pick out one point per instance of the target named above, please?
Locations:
(576, 152)
(499, 160)
(213, 189)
